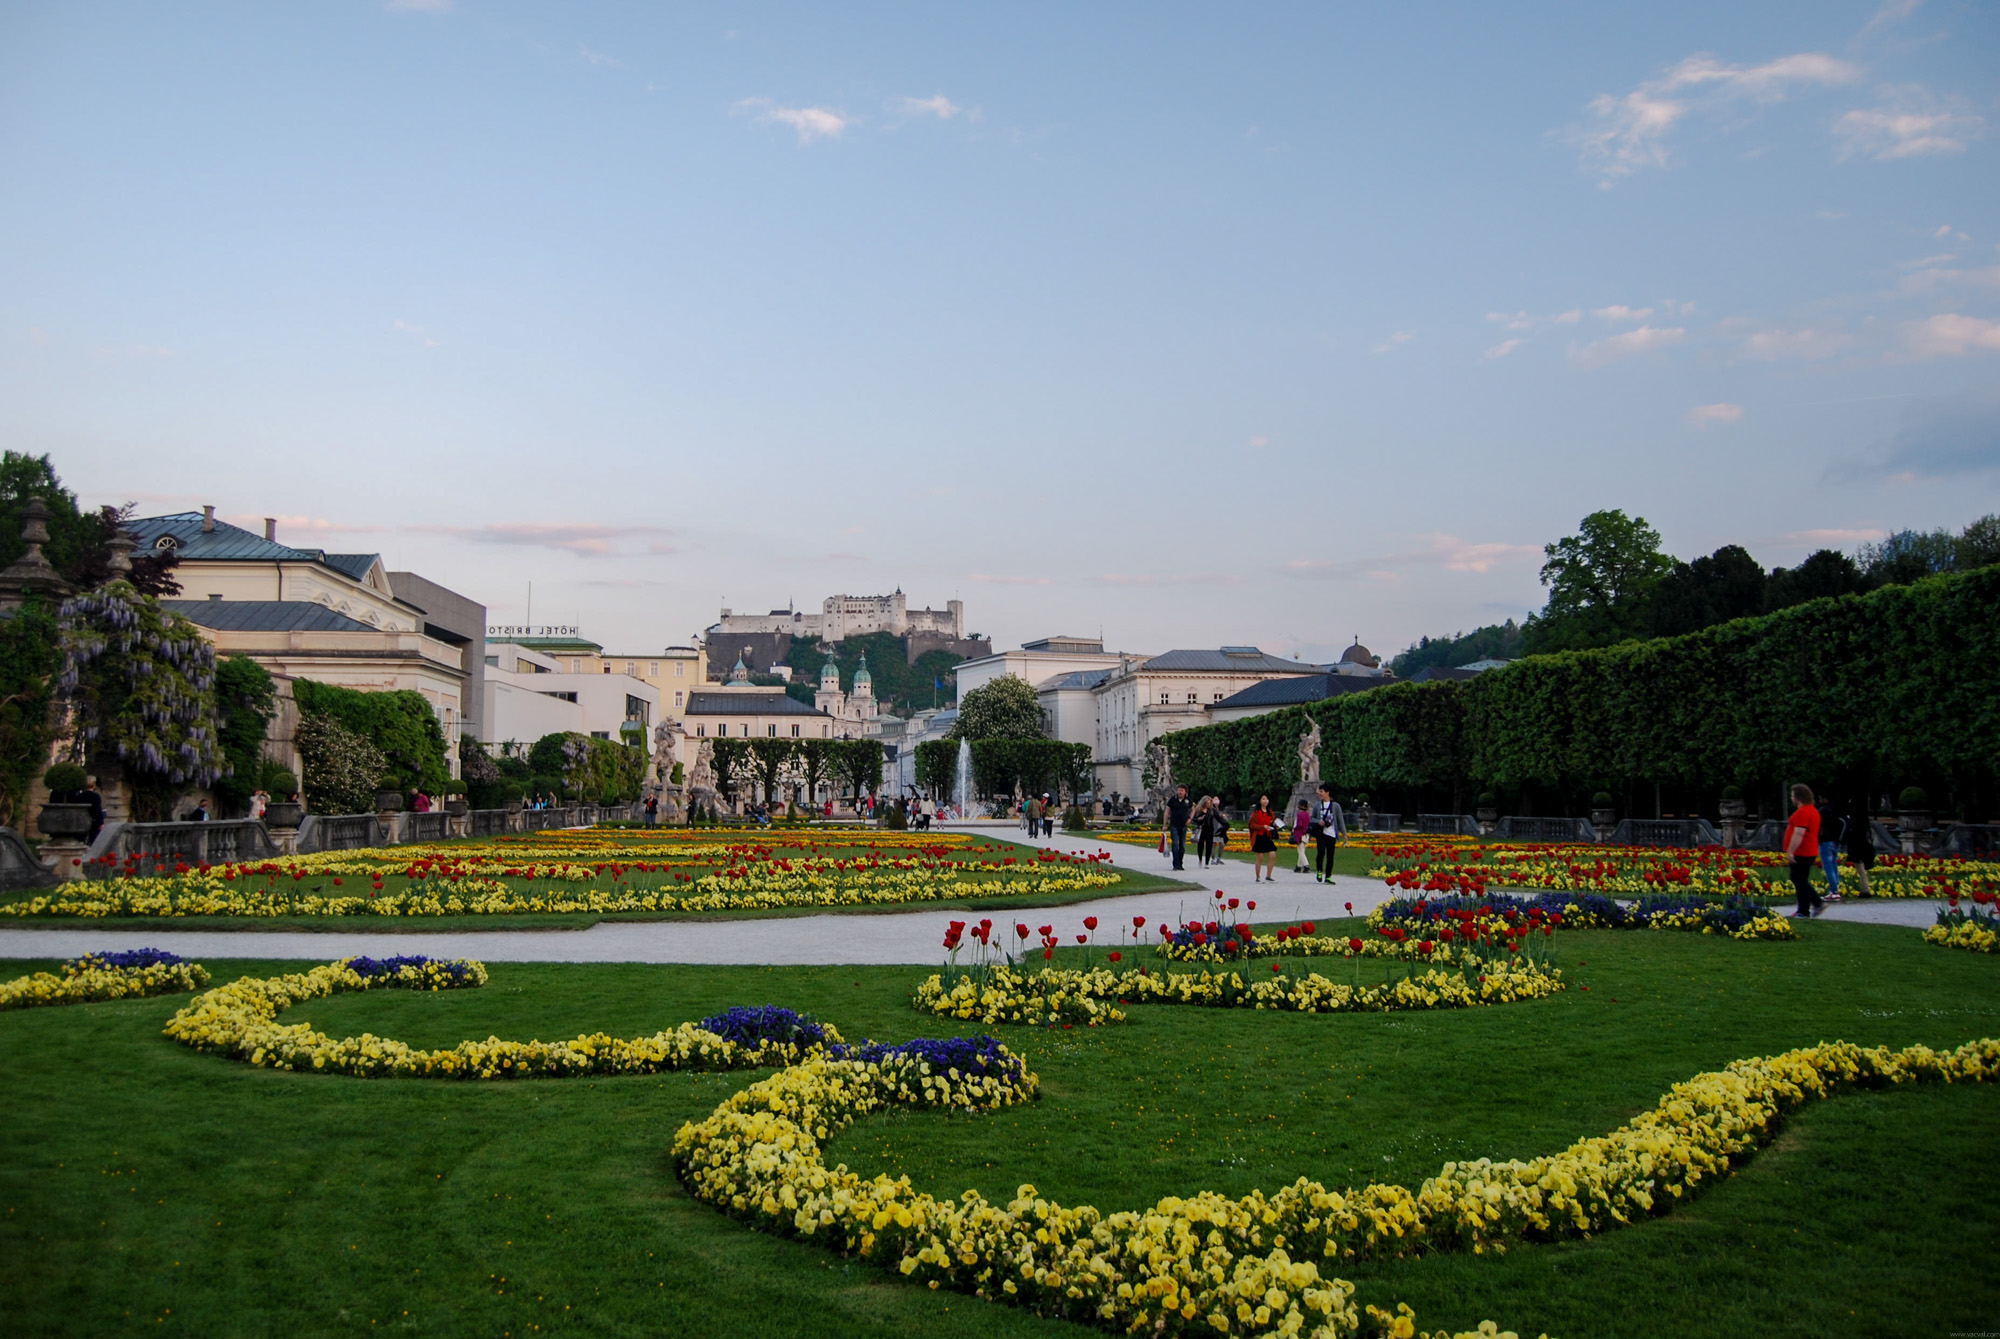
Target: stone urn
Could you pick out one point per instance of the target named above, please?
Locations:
(388, 801)
(1604, 820)
(1732, 813)
(455, 805)
(64, 822)
(284, 814)
(1911, 822)
(1488, 818)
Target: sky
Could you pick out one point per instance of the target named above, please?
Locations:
(1188, 325)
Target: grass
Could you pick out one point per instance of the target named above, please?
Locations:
(149, 1186)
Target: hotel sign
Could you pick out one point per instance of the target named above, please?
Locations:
(531, 630)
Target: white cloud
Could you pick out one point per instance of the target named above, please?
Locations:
(1621, 313)
(811, 123)
(1707, 415)
(938, 105)
(1951, 334)
(1891, 13)
(1935, 276)
(1512, 320)
(1806, 344)
(1646, 339)
(1570, 317)
(1501, 350)
(1395, 341)
(1260, 441)
(1909, 123)
(1629, 132)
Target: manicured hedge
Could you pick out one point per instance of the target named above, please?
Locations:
(400, 724)
(1871, 692)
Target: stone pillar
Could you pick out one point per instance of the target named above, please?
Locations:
(64, 859)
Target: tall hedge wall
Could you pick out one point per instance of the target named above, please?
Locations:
(1864, 693)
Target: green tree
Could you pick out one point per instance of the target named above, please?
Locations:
(817, 762)
(140, 683)
(1824, 573)
(1006, 708)
(30, 655)
(79, 541)
(861, 765)
(340, 769)
(1496, 641)
(400, 724)
(1909, 555)
(1600, 582)
(1699, 594)
(244, 696)
(1979, 544)
(767, 763)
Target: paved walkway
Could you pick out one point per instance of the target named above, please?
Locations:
(914, 936)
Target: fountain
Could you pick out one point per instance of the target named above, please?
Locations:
(964, 779)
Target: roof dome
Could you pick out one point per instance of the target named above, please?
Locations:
(861, 674)
(1358, 654)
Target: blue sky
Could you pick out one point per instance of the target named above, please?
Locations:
(1196, 324)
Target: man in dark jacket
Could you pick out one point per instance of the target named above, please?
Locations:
(1178, 810)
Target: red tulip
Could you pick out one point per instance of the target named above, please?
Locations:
(1276, 968)
(1116, 956)
(1045, 930)
(1354, 945)
(1218, 894)
(1090, 922)
(1350, 908)
(1138, 922)
(1307, 927)
(1083, 939)
(1233, 904)
(1021, 930)
(1253, 906)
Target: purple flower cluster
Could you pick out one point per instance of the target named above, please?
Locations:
(130, 959)
(370, 968)
(1728, 914)
(965, 1054)
(749, 1024)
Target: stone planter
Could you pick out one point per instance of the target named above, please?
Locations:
(1488, 820)
(64, 821)
(283, 814)
(1604, 820)
(1732, 812)
(1912, 823)
(388, 801)
(456, 805)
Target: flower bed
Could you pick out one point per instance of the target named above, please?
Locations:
(580, 872)
(105, 976)
(1092, 996)
(1977, 929)
(239, 1020)
(1442, 864)
(1485, 914)
(1210, 1264)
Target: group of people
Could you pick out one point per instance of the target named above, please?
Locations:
(1815, 834)
(1038, 815)
(922, 811)
(1318, 826)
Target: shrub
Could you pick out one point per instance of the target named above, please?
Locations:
(1075, 820)
(278, 781)
(1488, 800)
(63, 778)
(1913, 797)
(342, 769)
(1732, 793)
(1601, 800)
(893, 817)
(400, 725)
(29, 657)
(454, 788)
(244, 697)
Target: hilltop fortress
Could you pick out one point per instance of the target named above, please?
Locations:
(763, 640)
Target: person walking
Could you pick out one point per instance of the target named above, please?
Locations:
(1048, 814)
(1178, 810)
(1301, 825)
(1832, 832)
(91, 796)
(1329, 825)
(1263, 840)
(1802, 847)
(652, 811)
(1204, 831)
(1861, 844)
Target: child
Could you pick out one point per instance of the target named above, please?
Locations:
(1301, 821)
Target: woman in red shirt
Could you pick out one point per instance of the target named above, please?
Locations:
(1802, 845)
(1264, 844)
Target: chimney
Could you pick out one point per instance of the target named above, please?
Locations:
(271, 528)
(208, 520)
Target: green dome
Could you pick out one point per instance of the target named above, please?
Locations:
(861, 674)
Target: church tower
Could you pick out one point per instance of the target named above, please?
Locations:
(829, 698)
(864, 691)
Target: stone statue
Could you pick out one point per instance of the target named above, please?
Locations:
(1161, 764)
(666, 749)
(1309, 756)
(702, 795)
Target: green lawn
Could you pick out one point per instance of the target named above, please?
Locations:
(148, 1186)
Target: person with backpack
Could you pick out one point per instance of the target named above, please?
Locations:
(1802, 848)
(1329, 825)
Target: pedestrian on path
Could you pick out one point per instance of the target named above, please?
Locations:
(1263, 840)
(1301, 825)
(1832, 832)
(1178, 810)
(1203, 820)
(1329, 825)
(1048, 814)
(1802, 846)
(1861, 844)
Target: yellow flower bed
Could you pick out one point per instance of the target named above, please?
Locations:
(600, 877)
(90, 979)
(240, 1020)
(1967, 934)
(1090, 996)
(1210, 1264)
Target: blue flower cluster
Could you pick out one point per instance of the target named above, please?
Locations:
(459, 971)
(964, 1054)
(749, 1024)
(1582, 910)
(129, 960)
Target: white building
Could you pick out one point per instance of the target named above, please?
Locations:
(1038, 662)
(852, 713)
(531, 692)
(844, 616)
(1144, 699)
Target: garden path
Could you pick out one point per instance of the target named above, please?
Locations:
(874, 938)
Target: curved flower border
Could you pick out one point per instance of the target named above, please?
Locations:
(105, 976)
(1210, 1264)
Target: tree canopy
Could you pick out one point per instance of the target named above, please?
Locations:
(1006, 708)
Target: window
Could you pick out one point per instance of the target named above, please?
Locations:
(700, 730)
(653, 669)
(1164, 699)
(795, 732)
(680, 669)
(631, 667)
(576, 667)
(494, 661)
(607, 667)
(600, 734)
(1218, 697)
(1192, 699)
(722, 729)
(677, 697)
(771, 731)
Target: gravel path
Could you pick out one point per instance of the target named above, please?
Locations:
(882, 938)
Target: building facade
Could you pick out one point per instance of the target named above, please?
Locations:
(1144, 699)
(531, 692)
(844, 616)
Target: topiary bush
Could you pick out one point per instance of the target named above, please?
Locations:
(1913, 797)
(62, 779)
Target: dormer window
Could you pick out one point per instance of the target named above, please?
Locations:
(166, 543)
